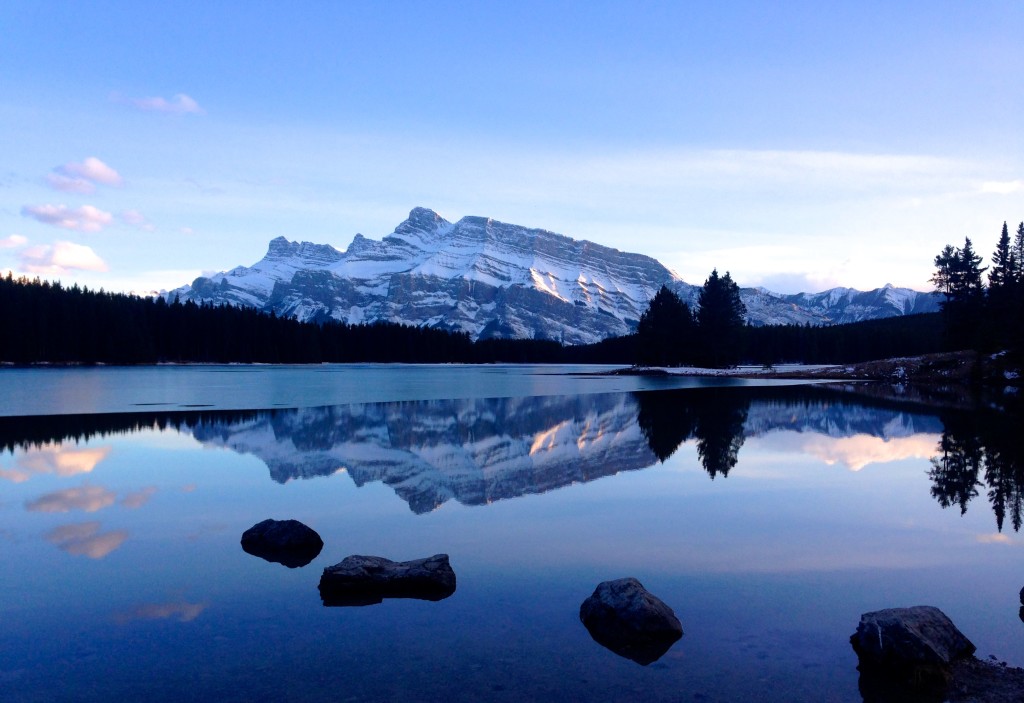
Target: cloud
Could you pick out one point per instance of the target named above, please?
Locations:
(1002, 187)
(82, 177)
(67, 184)
(14, 241)
(87, 498)
(180, 104)
(136, 219)
(55, 460)
(60, 258)
(85, 539)
(138, 498)
(82, 219)
(182, 611)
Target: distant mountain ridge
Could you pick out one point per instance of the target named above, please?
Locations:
(493, 279)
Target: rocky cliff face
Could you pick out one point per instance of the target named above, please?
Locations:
(493, 279)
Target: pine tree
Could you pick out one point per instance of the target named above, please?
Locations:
(1001, 274)
(720, 319)
(1017, 252)
(665, 332)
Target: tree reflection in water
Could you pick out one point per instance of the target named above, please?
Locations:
(713, 417)
(977, 451)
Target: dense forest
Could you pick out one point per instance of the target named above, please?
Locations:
(45, 322)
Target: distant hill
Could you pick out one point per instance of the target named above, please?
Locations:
(492, 279)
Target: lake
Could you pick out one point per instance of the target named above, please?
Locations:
(769, 516)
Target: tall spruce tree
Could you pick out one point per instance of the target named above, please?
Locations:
(665, 332)
(1001, 273)
(720, 319)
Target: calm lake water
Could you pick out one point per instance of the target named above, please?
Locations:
(769, 517)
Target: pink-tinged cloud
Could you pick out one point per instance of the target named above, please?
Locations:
(180, 104)
(136, 219)
(60, 258)
(15, 241)
(85, 539)
(138, 498)
(92, 169)
(67, 184)
(86, 498)
(82, 219)
(82, 177)
(182, 611)
(54, 460)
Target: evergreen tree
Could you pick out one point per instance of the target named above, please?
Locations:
(958, 275)
(945, 266)
(665, 330)
(1001, 274)
(1017, 252)
(720, 320)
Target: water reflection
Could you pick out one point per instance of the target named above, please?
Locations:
(981, 451)
(477, 451)
(86, 539)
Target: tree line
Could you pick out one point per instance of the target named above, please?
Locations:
(976, 315)
(45, 322)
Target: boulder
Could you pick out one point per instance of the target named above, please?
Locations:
(914, 646)
(287, 542)
(366, 580)
(626, 618)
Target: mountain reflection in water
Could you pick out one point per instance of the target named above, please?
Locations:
(477, 451)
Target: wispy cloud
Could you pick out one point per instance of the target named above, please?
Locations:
(82, 177)
(15, 241)
(86, 218)
(60, 258)
(1003, 187)
(134, 218)
(180, 104)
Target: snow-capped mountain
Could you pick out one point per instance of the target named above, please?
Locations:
(493, 279)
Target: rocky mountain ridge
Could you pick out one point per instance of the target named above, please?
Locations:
(493, 279)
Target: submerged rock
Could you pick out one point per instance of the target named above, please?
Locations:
(366, 580)
(626, 618)
(287, 542)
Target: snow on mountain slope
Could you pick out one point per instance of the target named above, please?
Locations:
(489, 278)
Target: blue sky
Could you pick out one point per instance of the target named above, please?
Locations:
(797, 145)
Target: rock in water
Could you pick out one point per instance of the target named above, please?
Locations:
(287, 542)
(365, 580)
(626, 618)
(916, 646)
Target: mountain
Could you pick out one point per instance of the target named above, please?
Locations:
(493, 279)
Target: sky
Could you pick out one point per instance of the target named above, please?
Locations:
(798, 145)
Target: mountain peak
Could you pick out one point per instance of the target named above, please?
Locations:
(281, 248)
(421, 219)
(490, 278)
